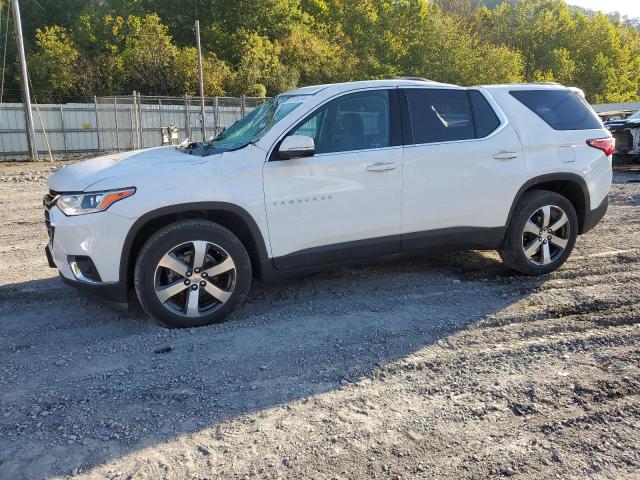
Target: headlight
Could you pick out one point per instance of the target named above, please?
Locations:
(83, 203)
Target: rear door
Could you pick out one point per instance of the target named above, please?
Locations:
(343, 202)
(463, 165)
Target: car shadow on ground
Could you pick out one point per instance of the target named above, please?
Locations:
(82, 385)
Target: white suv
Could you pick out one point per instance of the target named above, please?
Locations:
(329, 174)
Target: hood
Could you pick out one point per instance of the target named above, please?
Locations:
(128, 166)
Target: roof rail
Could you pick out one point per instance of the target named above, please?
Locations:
(417, 79)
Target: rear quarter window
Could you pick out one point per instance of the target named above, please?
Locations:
(486, 119)
(560, 109)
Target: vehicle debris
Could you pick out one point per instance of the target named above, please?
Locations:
(626, 131)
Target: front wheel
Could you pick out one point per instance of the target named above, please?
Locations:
(541, 234)
(192, 273)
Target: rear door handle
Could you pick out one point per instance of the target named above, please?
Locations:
(381, 167)
(505, 155)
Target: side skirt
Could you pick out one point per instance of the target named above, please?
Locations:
(350, 253)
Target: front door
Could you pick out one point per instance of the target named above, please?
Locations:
(343, 202)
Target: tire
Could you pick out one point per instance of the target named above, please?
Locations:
(179, 294)
(524, 248)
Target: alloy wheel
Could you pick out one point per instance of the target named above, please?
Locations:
(195, 278)
(546, 235)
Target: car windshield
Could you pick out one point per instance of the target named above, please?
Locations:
(253, 126)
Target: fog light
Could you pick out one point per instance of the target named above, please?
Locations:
(84, 269)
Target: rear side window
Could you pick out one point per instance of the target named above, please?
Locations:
(560, 109)
(486, 119)
(440, 115)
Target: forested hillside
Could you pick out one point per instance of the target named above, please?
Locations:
(80, 48)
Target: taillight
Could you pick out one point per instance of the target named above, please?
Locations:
(607, 145)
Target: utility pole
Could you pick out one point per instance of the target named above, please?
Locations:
(24, 79)
(204, 134)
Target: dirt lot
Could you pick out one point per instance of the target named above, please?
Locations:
(424, 368)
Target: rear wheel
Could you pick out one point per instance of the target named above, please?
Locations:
(541, 234)
(192, 273)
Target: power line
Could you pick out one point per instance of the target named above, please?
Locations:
(40, 5)
(55, 4)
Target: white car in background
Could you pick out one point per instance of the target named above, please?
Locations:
(324, 175)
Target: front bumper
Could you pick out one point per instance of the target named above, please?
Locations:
(114, 294)
(100, 237)
(47, 252)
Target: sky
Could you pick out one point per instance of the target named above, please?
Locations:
(631, 8)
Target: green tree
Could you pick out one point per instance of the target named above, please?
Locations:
(81, 48)
(315, 59)
(149, 55)
(216, 74)
(261, 71)
(560, 44)
(54, 65)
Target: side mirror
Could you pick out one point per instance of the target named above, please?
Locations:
(296, 146)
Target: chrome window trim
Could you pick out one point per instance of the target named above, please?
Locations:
(494, 105)
(392, 147)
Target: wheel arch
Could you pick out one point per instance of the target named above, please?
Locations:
(234, 218)
(569, 185)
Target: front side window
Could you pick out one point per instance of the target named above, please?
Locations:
(440, 115)
(357, 121)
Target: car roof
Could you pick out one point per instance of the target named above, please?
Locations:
(361, 84)
(417, 82)
(525, 86)
(510, 87)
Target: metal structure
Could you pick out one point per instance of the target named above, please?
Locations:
(24, 80)
(200, 79)
(114, 124)
(136, 121)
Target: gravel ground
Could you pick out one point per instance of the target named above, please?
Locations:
(421, 368)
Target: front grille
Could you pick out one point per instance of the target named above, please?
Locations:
(47, 223)
(49, 201)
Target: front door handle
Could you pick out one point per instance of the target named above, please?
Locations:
(505, 155)
(381, 167)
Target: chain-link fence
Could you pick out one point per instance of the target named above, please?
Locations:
(138, 121)
(134, 121)
(116, 123)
